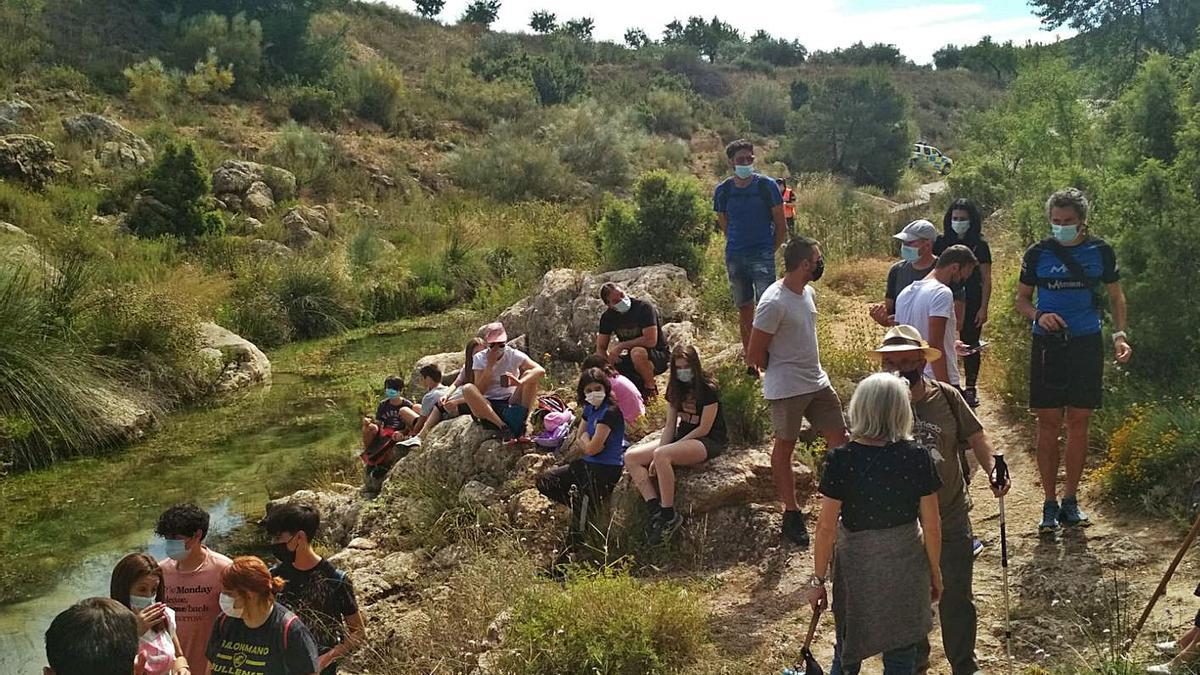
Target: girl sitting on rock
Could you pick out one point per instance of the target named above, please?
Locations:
(694, 433)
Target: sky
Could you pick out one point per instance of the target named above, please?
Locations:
(917, 28)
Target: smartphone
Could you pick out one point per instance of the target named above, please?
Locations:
(506, 381)
(976, 350)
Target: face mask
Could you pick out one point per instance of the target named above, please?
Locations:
(743, 171)
(139, 602)
(282, 553)
(176, 549)
(909, 253)
(227, 606)
(623, 305)
(684, 375)
(913, 376)
(960, 226)
(594, 398)
(391, 393)
(1064, 233)
(818, 270)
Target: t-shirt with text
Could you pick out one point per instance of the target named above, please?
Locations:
(1058, 292)
(879, 487)
(195, 598)
(629, 326)
(322, 597)
(943, 424)
(388, 413)
(509, 362)
(751, 227)
(691, 410)
(236, 649)
(794, 361)
(931, 298)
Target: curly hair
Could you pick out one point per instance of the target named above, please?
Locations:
(182, 520)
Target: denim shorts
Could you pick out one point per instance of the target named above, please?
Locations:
(750, 274)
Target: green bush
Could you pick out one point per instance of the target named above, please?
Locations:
(253, 313)
(317, 297)
(595, 147)
(557, 79)
(236, 41)
(667, 112)
(1154, 455)
(766, 104)
(305, 153)
(743, 407)
(374, 92)
(668, 222)
(151, 87)
(306, 104)
(512, 168)
(175, 198)
(609, 623)
(208, 78)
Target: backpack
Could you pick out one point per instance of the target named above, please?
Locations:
(546, 404)
(288, 619)
(386, 450)
(764, 191)
(963, 466)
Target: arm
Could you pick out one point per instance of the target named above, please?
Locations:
(780, 225)
(1024, 304)
(356, 634)
(181, 663)
(592, 445)
(602, 340)
(1116, 300)
(756, 353)
(960, 315)
(937, 336)
(707, 417)
(723, 223)
(668, 432)
(824, 536)
(648, 339)
(985, 271)
(981, 445)
(931, 525)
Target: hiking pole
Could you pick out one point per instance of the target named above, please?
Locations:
(999, 480)
(1162, 585)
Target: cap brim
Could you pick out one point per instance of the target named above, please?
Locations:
(905, 237)
(931, 353)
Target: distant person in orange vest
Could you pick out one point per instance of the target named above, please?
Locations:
(789, 206)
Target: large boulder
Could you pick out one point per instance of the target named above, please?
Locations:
(241, 363)
(115, 145)
(562, 315)
(250, 186)
(448, 362)
(317, 218)
(13, 115)
(457, 451)
(339, 513)
(258, 200)
(739, 476)
(266, 248)
(27, 159)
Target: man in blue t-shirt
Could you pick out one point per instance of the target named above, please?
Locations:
(1067, 361)
(749, 209)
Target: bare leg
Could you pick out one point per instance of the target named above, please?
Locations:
(1049, 424)
(410, 418)
(637, 463)
(667, 457)
(781, 473)
(745, 324)
(644, 367)
(526, 394)
(369, 431)
(480, 407)
(1186, 656)
(1077, 447)
(1189, 637)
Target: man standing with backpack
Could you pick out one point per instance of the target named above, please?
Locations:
(1066, 367)
(749, 210)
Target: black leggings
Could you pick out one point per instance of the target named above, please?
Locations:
(970, 335)
(588, 478)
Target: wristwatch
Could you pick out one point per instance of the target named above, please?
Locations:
(816, 582)
(1119, 334)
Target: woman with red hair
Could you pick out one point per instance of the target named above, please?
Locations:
(255, 634)
(137, 583)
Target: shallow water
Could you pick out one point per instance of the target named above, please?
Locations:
(64, 528)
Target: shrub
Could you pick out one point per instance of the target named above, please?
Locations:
(1153, 456)
(512, 168)
(557, 79)
(208, 78)
(742, 405)
(317, 297)
(610, 623)
(174, 199)
(798, 93)
(237, 42)
(668, 222)
(594, 146)
(151, 87)
(766, 104)
(667, 112)
(305, 153)
(257, 316)
(375, 91)
(308, 104)
(983, 180)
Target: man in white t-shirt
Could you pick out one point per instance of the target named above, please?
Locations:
(784, 342)
(928, 306)
(506, 383)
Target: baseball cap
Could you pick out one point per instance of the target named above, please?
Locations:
(917, 230)
(494, 332)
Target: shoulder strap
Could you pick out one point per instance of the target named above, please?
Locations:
(764, 192)
(953, 408)
(287, 627)
(1077, 274)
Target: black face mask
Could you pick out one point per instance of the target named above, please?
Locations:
(818, 269)
(282, 553)
(913, 376)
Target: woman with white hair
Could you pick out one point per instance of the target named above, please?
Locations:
(886, 573)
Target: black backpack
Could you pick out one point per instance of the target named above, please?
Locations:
(764, 191)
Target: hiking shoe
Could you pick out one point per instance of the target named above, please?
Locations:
(1168, 648)
(1049, 517)
(1164, 669)
(1070, 514)
(971, 397)
(977, 547)
(660, 529)
(794, 529)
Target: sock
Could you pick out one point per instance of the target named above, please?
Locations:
(668, 513)
(653, 505)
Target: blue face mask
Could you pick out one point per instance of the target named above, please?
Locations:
(1065, 234)
(391, 393)
(139, 602)
(909, 253)
(743, 171)
(176, 549)
(684, 375)
(960, 226)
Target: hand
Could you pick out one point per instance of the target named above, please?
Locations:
(981, 317)
(935, 587)
(324, 660)
(880, 314)
(1052, 322)
(614, 352)
(818, 597)
(1001, 490)
(1123, 351)
(151, 617)
(961, 348)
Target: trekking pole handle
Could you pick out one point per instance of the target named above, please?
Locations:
(999, 472)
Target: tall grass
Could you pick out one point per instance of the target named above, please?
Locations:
(847, 225)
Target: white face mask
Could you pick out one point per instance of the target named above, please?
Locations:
(227, 606)
(623, 305)
(139, 602)
(594, 398)
(960, 226)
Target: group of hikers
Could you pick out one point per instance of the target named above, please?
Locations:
(893, 532)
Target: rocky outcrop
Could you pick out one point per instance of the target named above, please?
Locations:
(13, 115)
(339, 512)
(27, 159)
(738, 477)
(241, 363)
(115, 145)
(255, 188)
(680, 334)
(457, 451)
(268, 248)
(12, 230)
(562, 315)
(306, 225)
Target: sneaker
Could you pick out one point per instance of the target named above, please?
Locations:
(1168, 648)
(1050, 515)
(1164, 669)
(794, 529)
(1071, 515)
(977, 547)
(971, 397)
(660, 530)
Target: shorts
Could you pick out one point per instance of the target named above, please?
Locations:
(659, 358)
(822, 408)
(512, 414)
(454, 410)
(749, 275)
(713, 447)
(1066, 374)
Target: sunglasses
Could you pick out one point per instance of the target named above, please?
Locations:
(497, 345)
